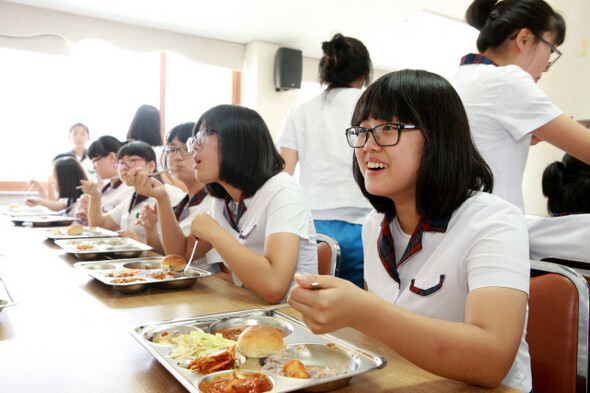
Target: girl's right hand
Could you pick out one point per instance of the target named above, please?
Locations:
(31, 201)
(90, 188)
(144, 184)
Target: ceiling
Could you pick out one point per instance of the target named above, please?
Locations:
(428, 34)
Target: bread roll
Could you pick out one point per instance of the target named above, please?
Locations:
(260, 341)
(174, 263)
(75, 229)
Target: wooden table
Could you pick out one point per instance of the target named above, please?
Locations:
(70, 333)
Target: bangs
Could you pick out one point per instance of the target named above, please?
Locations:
(137, 148)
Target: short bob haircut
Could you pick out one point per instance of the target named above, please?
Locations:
(145, 126)
(248, 156)
(137, 148)
(566, 184)
(182, 132)
(68, 173)
(451, 168)
(499, 21)
(104, 146)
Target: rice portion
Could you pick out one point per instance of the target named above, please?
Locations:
(274, 364)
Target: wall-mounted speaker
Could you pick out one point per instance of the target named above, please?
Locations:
(288, 69)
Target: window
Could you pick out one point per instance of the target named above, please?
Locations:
(99, 85)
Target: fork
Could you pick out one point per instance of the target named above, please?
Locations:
(188, 264)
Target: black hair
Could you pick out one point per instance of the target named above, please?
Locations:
(137, 148)
(345, 60)
(62, 155)
(248, 156)
(182, 132)
(566, 184)
(68, 173)
(145, 126)
(451, 168)
(498, 21)
(103, 146)
(80, 125)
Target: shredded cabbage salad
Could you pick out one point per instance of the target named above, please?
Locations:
(198, 344)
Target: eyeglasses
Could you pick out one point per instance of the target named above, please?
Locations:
(200, 139)
(96, 160)
(555, 53)
(131, 163)
(168, 151)
(386, 134)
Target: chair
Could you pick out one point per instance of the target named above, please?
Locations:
(328, 255)
(557, 331)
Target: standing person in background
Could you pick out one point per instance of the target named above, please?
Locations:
(507, 111)
(312, 136)
(65, 181)
(80, 136)
(146, 127)
(103, 154)
(566, 184)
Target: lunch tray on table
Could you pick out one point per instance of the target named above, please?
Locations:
(91, 248)
(314, 351)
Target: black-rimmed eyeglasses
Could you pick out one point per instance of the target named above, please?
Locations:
(170, 152)
(386, 134)
(200, 139)
(555, 53)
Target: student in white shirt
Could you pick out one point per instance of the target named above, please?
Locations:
(507, 111)
(103, 154)
(446, 263)
(126, 214)
(174, 221)
(259, 221)
(565, 234)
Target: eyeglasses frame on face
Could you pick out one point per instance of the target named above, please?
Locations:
(168, 152)
(201, 134)
(96, 160)
(553, 50)
(399, 126)
(133, 160)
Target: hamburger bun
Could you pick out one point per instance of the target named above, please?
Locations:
(260, 341)
(174, 263)
(75, 229)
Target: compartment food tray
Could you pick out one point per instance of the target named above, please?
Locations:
(5, 298)
(108, 271)
(43, 221)
(362, 360)
(62, 233)
(91, 248)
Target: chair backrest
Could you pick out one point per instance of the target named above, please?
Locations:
(557, 331)
(328, 255)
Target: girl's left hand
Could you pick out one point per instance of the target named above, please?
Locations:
(130, 234)
(329, 308)
(149, 216)
(31, 201)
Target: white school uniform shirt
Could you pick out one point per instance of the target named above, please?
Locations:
(87, 165)
(315, 129)
(504, 105)
(485, 245)
(128, 219)
(564, 237)
(211, 260)
(113, 196)
(279, 206)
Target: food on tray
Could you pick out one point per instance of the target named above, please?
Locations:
(84, 246)
(277, 364)
(237, 382)
(123, 273)
(127, 280)
(167, 337)
(295, 369)
(174, 263)
(232, 332)
(75, 229)
(224, 359)
(198, 344)
(260, 341)
(162, 275)
(14, 206)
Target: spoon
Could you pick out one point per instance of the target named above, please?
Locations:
(188, 264)
(162, 171)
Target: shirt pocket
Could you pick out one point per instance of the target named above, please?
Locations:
(427, 285)
(246, 232)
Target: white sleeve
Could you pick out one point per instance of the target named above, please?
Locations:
(563, 237)
(288, 135)
(117, 212)
(288, 212)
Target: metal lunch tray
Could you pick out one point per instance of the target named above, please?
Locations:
(102, 270)
(43, 221)
(5, 298)
(62, 233)
(359, 360)
(91, 248)
(22, 211)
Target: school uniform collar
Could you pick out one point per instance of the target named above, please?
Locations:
(181, 210)
(477, 58)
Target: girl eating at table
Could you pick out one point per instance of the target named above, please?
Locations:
(125, 215)
(446, 263)
(175, 221)
(259, 221)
